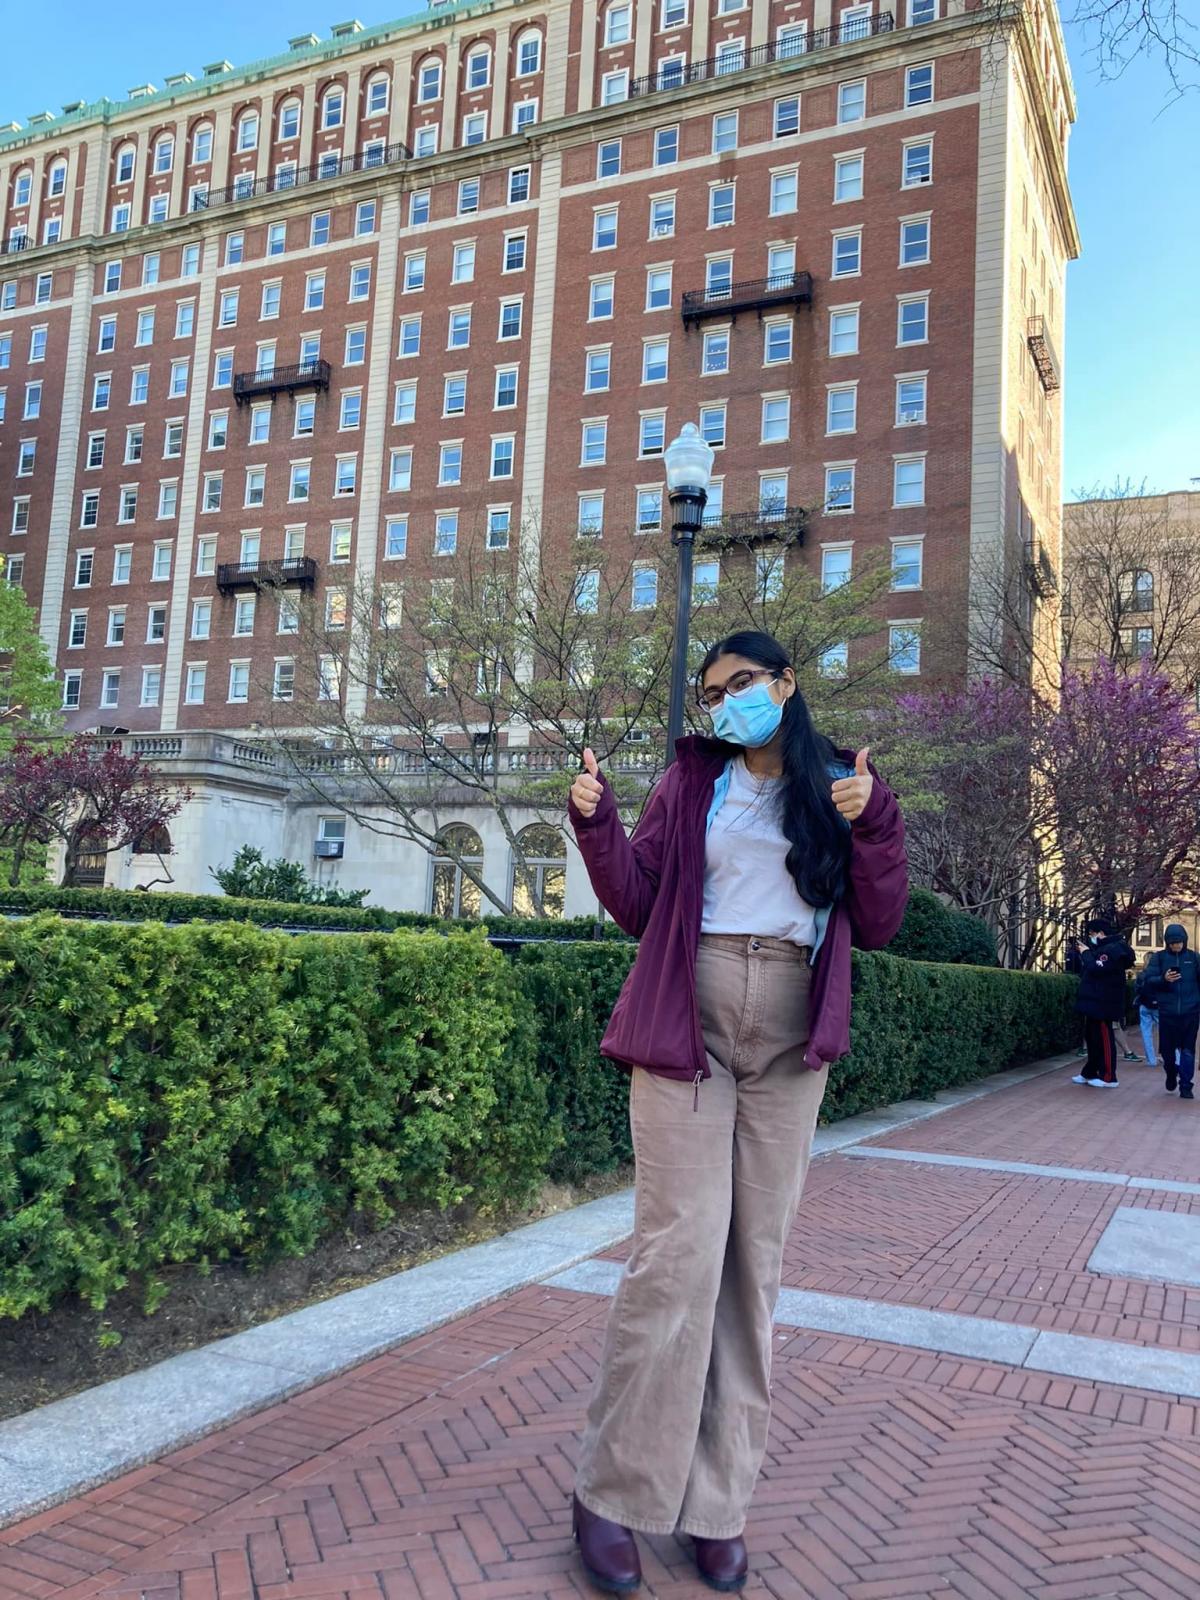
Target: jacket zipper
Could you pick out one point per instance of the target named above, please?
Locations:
(696, 1091)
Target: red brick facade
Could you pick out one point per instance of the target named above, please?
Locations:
(778, 163)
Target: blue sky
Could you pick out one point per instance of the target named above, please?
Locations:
(1133, 313)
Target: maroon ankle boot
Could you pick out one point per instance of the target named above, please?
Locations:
(722, 1563)
(608, 1552)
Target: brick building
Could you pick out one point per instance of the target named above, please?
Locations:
(357, 306)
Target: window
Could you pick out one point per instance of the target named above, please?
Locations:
(666, 146)
(333, 108)
(908, 481)
(913, 320)
(139, 386)
(179, 379)
(652, 433)
(156, 624)
(848, 178)
(505, 395)
(189, 261)
(228, 315)
(206, 557)
(89, 514)
(125, 162)
(247, 131)
(33, 402)
(112, 277)
(95, 455)
(514, 252)
(160, 565)
(151, 685)
(910, 401)
(772, 495)
(841, 409)
(173, 440)
(1135, 590)
(20, 515)
(503, 450)
(395, 545)
(84, 561)
(239, 681)
(597, 370)
(608, 158)
(662, 216)
(904, 647)
(674, 14)
(454, 397)
(852, 101)
(404, 404)
(718, 277)
(52, 230)
(784, 192)
(234, 244)
(654, 361)
(335, 609)
(839, 488)
(918, 85)
(250, 546)
(917, 165)
(474, 127)
(834, 662)
(360, 281)
(144, 330)
(260, 424)
(847, 254)
(135, 436)
(617, 24)
(645, 588)
(450, 464)
(468, 196)
(77, 632)
(256, 486)
(463, 268)
(589, 522)
(776, 410)
(26, 457)
(223, 370)
(787, 116)
(836, 563)
(731, 56)
(587, 593)
(351, 409)
(101, 391)
(121, 214)
(164, 154)
(356, 347)
(72, 690)
(595, 443)
(843, 331)
(345, 475)
(920, 11)
(518, 185)
(906, 564)
(614, 87)
(364, 215)
(649, 510)
(658, 289)
(510, 319)
(499, 527)
(721, 205)
(715, 353)
(777, 341)
(914, 242)
(293, 543)
(400, 470)
(712, 425)
(429, 80)
(525, 114)
(724, 132)
(318, 231)
(445, 533)
(600, 305)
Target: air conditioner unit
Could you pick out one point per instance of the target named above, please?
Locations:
(910, 416)
(637, 736)
(663, 230)
(329, 849)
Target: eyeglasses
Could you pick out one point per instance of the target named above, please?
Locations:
(710, 699)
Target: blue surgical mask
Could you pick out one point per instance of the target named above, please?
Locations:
(750, 719)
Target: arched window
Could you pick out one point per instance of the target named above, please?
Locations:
(545, 876)
(58, 180)
(429, 80)
(164, 153)
(479, 67)
(156, 841)
(202, 145)
(289, 119)
(1137, 590)
(247, 131)
(378, 92)
(126, 156)
(452, 893)
(87, 858)
(529, 53)
(23, 187)
(333, 107)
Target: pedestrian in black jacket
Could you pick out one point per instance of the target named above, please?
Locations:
(1172, 979)
(1104, 961)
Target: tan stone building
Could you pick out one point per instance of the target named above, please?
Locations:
(408, 289)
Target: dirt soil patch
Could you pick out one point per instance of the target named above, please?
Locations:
(73, 1347)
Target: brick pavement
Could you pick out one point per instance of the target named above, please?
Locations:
(442, 1470)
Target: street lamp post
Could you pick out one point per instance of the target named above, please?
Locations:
(689, 462)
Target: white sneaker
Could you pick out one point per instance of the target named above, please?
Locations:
(1079, 1078)
(1099, 1083)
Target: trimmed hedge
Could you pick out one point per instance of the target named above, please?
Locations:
(930, 931)
(189, 1094)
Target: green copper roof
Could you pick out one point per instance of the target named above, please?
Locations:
(106, 110)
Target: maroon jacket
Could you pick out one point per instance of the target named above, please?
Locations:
(652, 884)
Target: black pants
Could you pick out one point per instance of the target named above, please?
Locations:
(1177, 1045)
(1101, 1050)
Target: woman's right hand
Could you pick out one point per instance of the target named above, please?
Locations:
(587, 788)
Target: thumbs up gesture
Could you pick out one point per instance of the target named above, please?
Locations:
(850, 795)
(587, 788)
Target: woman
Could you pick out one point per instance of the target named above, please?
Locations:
(758, 856)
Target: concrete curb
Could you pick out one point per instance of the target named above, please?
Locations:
(69, 1446)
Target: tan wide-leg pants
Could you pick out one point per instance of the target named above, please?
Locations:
(677, 1425)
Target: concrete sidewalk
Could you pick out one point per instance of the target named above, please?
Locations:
(987, 1385)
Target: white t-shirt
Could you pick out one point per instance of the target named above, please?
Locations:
(747, 887)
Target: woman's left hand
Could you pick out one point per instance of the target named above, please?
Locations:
(850, 795)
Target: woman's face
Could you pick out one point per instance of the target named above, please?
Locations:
(732, 668)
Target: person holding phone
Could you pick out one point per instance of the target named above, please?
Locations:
(1172, 979)
(759, 857)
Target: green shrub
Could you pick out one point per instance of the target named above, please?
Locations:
(931, 931)
(186, 1094)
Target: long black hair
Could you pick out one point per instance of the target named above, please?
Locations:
(819, 838)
